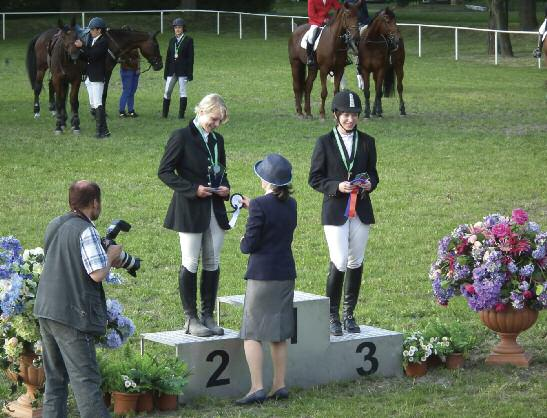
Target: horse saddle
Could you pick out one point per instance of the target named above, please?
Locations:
(308, 35)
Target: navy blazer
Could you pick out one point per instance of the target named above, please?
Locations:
(268, 238)
(184, 167)
(95, 56)
(327, 171)
(183, 66)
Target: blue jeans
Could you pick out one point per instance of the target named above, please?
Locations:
(69, 356)
(130, 82)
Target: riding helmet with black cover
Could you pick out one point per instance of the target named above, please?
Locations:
(346, 101)
(97, 23)
(178, 22)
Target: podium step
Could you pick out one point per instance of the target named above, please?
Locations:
(366, 332)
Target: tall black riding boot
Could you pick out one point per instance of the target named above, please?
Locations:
(351, 295)
(182, 107)
(165, 110)
(208, 289)
(97, 117)
(311, 55)
(104, 129)
(188, 288)
(335, 281)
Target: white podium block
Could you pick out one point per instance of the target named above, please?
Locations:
(314, 356)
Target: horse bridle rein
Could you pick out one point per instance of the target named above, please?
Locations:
(122, 52)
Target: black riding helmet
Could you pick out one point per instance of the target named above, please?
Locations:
(178, 22)
(97, 23)
(346, 101)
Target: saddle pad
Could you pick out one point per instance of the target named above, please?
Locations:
(304, 41)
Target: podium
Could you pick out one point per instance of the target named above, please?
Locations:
(218, 366)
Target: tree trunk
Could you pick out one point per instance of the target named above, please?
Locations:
(527, 15)
(499, 19)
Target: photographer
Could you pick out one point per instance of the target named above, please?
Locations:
(71, 305)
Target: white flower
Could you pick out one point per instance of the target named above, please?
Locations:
(472, 239)
(127, 383)
(133, 384)
(411, 359)
(124, 377)
(405, 353)
(424, 358)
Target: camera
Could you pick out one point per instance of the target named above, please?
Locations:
(130, 263)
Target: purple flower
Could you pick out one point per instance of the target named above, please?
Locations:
(517, 300)
(487, 293)
(527, 270)
(113, 339)
(462, 271)
(10, 250)
(113, 309)
(493, 219)
(442, 248)
(442, 295)
(538, 253)
(125, 327)
(533, 227)
(512, 267)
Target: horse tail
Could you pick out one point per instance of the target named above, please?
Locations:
(31, 61)
(389, 81)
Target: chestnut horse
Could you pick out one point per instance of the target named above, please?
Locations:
(382, 53)
(66, 69)
(120, 41)
(341, 33)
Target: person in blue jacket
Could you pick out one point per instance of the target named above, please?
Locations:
(268, 309)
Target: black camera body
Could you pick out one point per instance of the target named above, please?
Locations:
(130, 263)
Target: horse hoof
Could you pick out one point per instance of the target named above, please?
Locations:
(403, 114)
(300, 116)
(36, 115)
(310, 117)
(58, 132)
(322, 119)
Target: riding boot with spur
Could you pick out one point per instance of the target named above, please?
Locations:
(182, 107)
(102, 116)
(335, 281)
(165, 110)
(351, 295)
(208, 290)
(97, 123)
(188, 295)
(311, 55)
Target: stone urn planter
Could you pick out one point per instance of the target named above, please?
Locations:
(509, 324)
(33, 379)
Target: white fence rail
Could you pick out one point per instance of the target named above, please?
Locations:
(456, 29)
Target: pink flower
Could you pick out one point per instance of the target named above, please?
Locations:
(519, 216)
(501, 230)
(469, 288)
(528, 294)
(500, 307)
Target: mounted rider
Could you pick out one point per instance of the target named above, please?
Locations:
(318, 14)
(541, 36)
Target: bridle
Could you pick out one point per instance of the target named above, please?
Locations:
(155, 61)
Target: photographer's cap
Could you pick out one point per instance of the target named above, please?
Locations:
(274, 169)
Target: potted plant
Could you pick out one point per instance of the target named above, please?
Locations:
(415, 353)
(20, 344)
(461, 341)
(169, 383)
(126, 391)
(499, 266)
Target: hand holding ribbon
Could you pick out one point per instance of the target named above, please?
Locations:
(359, 183)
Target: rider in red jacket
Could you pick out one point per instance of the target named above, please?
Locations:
(318, 13)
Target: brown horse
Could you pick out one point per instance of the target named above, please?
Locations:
(119, 42)
(66, 69)
(382, 53)
(37, 66)
(341, 33)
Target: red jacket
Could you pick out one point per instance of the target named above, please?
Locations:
(318, 12)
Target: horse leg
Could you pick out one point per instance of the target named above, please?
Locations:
(298, 78)
(58, 85)
(75, 105)
(38, 84)
(51, 97)
(366, 91)
(324, 93)
(400, 74)
(378, 83)
(312, 74)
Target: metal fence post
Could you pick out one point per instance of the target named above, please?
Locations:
(265, 28)
(496, 47)
(240, 28)
(456, 44)
(218, 23)
(3, 26)
(292, 24)
(161, 21)
(83, 19)
(420, 41)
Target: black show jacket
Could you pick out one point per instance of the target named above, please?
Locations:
(95, 56)
(183, 167)
(327, 171)
(183, 66)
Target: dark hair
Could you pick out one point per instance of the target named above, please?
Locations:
(82, 193)
(282, 192)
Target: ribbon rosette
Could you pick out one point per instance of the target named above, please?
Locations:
(358, 183)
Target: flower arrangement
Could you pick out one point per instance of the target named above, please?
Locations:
(19, 275)
(416, 349)
(118, 329)
(494, 264)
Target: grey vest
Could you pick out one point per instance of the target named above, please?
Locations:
(66, 293)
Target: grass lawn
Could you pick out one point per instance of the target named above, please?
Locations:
(474, 142)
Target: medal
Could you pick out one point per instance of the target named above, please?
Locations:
(176, 55)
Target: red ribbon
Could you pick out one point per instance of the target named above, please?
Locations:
(352, 202)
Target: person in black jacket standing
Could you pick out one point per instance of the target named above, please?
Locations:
(268, 311)
(179, 66)
(95, 52)
(193, 166)
(343, 168)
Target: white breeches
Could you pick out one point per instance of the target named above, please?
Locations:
(95, 92)
(208, 243)
(347, 243)
(170, 85)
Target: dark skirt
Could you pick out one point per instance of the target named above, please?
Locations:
(268, 310)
